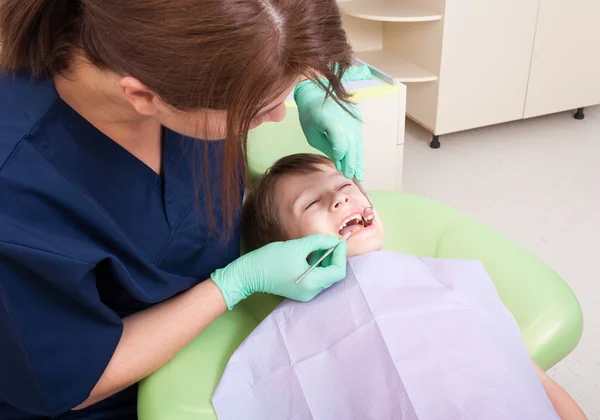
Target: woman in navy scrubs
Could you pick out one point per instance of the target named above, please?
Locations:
(122, 136)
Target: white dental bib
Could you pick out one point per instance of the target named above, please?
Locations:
(401, 338)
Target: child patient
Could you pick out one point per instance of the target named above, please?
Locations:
(304, 194)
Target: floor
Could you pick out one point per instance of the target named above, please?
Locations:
(536, 181)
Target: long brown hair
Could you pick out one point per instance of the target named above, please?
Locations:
(234, 55)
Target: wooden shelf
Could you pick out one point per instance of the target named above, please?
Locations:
(388, 11)
(399, 69)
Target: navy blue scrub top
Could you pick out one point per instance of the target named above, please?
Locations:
(89, 234)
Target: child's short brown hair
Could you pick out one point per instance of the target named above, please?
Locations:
(260, 214)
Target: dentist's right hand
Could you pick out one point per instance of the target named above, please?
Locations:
(275, 267)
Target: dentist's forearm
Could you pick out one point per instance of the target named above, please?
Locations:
(154, 336)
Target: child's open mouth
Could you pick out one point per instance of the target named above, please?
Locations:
(352, 223)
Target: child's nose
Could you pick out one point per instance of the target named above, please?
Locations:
(339, 201)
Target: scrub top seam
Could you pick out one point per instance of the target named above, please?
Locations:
(91, 264)
(12, 90)
(172, 233)
(18, 336)
(11, 154)
(27, 133)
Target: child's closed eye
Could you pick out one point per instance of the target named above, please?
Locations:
(312, 203)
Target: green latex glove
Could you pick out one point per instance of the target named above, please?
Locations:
(343, 142)
(275, 267)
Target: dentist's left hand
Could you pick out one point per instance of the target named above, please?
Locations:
(274, 268)
(343, 142)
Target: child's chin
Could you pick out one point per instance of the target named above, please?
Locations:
(356, 249)
(365, 241)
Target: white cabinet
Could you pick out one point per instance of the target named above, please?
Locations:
(376, 30)
(383, 137)
(472, 63)
(565, 69)
(485, 56)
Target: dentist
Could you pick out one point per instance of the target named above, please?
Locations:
(123, 129)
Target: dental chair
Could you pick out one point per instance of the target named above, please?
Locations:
(545, 308)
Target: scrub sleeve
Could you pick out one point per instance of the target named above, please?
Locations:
(57, 334)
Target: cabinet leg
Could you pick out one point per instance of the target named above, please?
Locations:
(579, 115)
(435, 142)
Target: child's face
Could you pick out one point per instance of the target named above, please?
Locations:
(322, 202)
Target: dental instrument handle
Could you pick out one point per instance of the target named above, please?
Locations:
(363, 191)
(320, 260)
